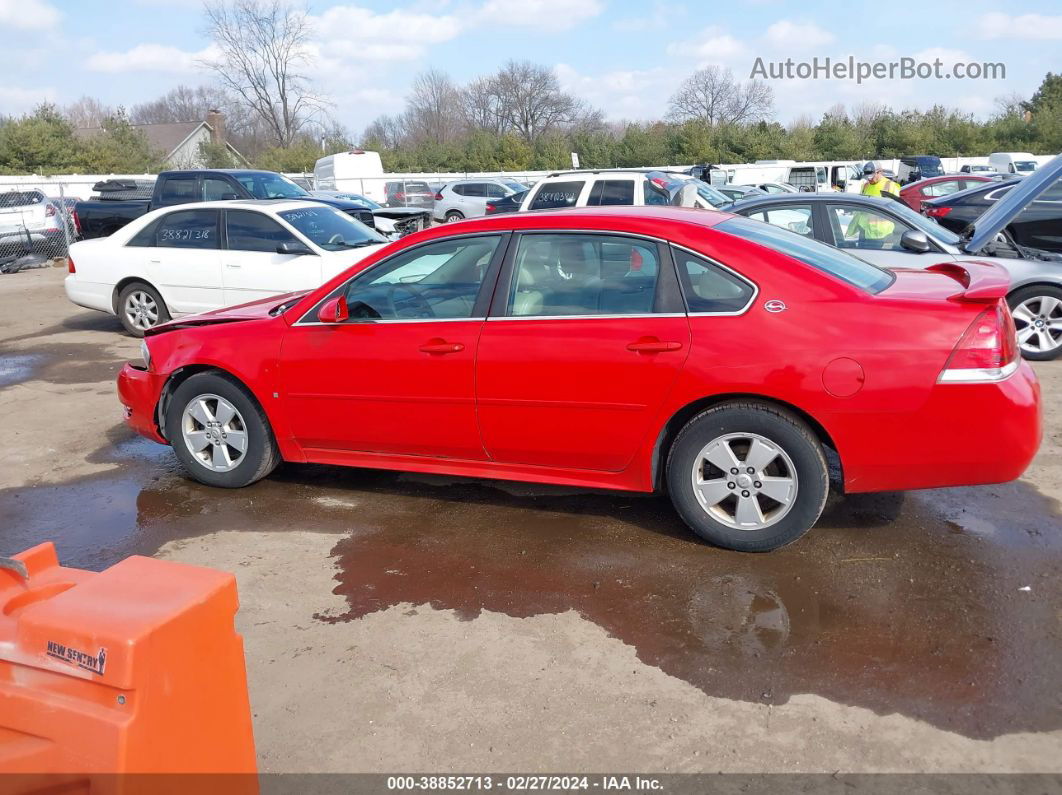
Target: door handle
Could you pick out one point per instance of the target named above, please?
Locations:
(653, 345)
(438, 346)
(232, 265)
(155, 261)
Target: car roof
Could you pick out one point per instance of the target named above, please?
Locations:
(277, 205)
(624, 217)
(802, 197)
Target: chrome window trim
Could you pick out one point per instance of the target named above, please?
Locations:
(740, 276)
(642, 315)
(361, 321)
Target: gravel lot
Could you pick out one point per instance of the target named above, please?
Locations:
(406, 622)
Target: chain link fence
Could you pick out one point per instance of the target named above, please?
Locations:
(36, 227)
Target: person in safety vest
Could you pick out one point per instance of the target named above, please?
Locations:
(873, 229)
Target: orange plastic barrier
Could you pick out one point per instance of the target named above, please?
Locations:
(136, 669)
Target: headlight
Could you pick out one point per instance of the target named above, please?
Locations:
(145, 353)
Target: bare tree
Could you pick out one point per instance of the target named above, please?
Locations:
(433, 108)
(713, 95)
(479, 106)
(87, 112)
(262, 48)
(530, 101)
(385, 132)
(186, 103)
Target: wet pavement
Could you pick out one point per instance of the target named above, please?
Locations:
(943, 606)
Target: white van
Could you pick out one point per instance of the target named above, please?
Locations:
(1019, 163)
(357, 171)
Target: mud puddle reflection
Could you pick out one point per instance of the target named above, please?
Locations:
(897, 604)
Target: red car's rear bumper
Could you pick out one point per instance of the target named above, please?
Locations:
(964, 435)
(139, 391)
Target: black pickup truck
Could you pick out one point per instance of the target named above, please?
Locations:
(120, 201)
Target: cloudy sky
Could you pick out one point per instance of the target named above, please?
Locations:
(623, 56)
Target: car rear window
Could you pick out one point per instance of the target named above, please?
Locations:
(835, 262)
(20, 198)
(554, 195)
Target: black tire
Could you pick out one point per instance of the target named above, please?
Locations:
(1031, 293)
(131, 292)
(782, 429)
(261, 455)
(452, 216)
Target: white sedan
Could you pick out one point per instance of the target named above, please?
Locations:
(196, 257)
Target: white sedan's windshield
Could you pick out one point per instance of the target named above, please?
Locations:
(330, 229)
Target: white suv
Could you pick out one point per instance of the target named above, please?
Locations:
(619, 186)
(467, 198)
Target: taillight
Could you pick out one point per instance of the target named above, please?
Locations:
(987, 351)
(491, 207)
(77, 221)
(70, 265)
(401, 196)
(935, 212)
(438, 196)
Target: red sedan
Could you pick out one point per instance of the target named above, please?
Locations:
(915, 193)
(639, 348)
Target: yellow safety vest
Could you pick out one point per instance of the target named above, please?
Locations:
(876, 227)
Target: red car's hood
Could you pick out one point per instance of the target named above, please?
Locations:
(252, 310)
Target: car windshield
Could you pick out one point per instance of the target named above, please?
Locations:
(271, 186)
(927, 225)
(930, 168)
(818, 255)
(1024, 165)
(330, 229)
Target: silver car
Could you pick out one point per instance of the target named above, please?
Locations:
(467, 198)
(890, 234)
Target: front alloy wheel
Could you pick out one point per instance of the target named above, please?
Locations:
(214, 432)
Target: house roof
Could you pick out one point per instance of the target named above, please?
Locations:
(165, 138)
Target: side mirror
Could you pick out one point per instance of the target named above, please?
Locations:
(292, 247)
(915, 241)
(334, 310)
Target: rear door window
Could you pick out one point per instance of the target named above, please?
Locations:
(188, 229)
(555, 195)
(581, 275)
(178, 190)
(794, 217)
(611, 191)
(215, 189)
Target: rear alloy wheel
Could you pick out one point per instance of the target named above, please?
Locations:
(219, 433)
(1037, 312)
(140, 307)
(454, 215)
(747, 476)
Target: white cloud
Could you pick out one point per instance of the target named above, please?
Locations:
(998, 25)
(711, 46)
(16, 100)
(148, 58)
(28, 14)
(362, 34)
(547, 15)
(622, 94)
(796, 36)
